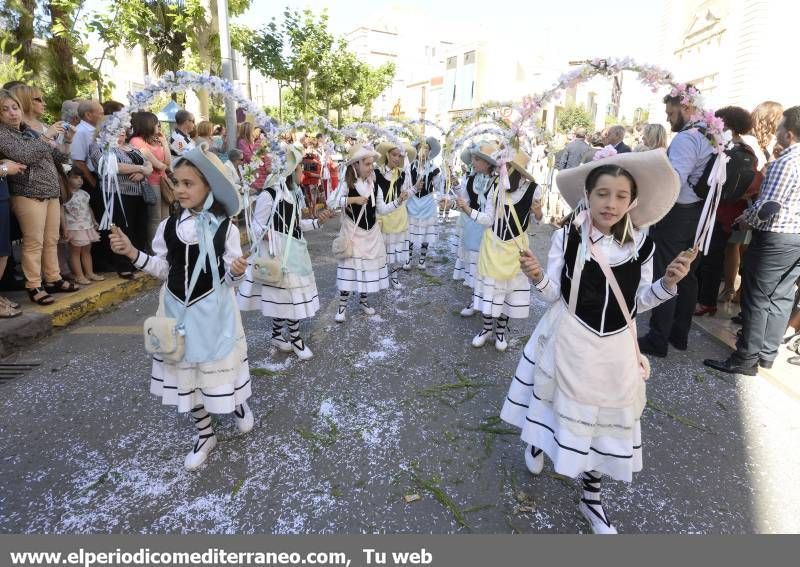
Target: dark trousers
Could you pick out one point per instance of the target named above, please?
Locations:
(771, 269)
(131, 218)
(102, 256)
(673, 234)
(709, 270)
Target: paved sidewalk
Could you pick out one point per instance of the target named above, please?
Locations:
(39, 320)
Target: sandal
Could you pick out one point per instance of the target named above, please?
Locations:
(7, 301)
(97, 278)
(40, 296)
(84, 281)
(8, 312)
(61, 286)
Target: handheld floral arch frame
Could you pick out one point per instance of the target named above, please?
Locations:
(649, 75)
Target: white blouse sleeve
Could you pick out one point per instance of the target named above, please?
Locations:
(550, 286)
(462, 190)
(383, 207)
(486, 218)
(651, 293)
(262, 213)
(233, 250)
(155, 265)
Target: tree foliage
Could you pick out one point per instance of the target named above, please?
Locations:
(319, 71)
(571, 117)
(176, 34)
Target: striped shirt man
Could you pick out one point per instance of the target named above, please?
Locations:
(781, 184)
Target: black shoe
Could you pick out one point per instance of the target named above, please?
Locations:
(679, 344)
(647, 347)
(732, 365)
(737, 319)
(765, 363)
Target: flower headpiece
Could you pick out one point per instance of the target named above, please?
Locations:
(689, 95)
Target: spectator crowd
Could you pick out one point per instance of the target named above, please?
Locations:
(51, 202)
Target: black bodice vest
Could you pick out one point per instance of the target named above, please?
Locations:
(176, 257)
(473, 194)
(427, 186)
(283, 216)
(597, 306)
(369, 218)
(384, 184)
(507, 231)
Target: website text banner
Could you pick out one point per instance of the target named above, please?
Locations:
(394, 551)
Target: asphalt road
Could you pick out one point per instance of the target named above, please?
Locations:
(392, 428)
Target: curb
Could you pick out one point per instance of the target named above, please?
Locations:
(21, 331)
(95, 298)
(39, 320)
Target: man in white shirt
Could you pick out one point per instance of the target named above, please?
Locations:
(180, 141)
(90, 112)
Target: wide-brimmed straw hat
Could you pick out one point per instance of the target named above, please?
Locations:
(213, 170)
(385, 147)
(486, 152)
(359, 152)
(520, 164)
(657, 183)
(294, 156)
(411, 152)
(433, 144)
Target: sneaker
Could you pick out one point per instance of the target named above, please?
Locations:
(396, 283)
(245, 421)
(421, 263)
(467, 312)
(199, 453)
(407, 265)
(281, 344)
(481, 338)
(500, 342)
(601, 525)
(340, 315)
(301, 349)
(534, 459)
(365, 307)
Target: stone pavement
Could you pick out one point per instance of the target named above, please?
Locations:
(391, 428)
(38, 321)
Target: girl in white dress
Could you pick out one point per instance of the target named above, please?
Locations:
(393, 177)
(474, 191)
(198, 252)
(579, 390)
(80, 228)
(502, 291)
(276, 225)
(423, 219)
(360, 248)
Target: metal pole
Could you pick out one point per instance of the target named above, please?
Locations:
(227, 69)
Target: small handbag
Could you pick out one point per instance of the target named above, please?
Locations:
(165, 336)
(270, 270)
(148, 194)
(167, 187)
(162, 337)
(342, 245)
